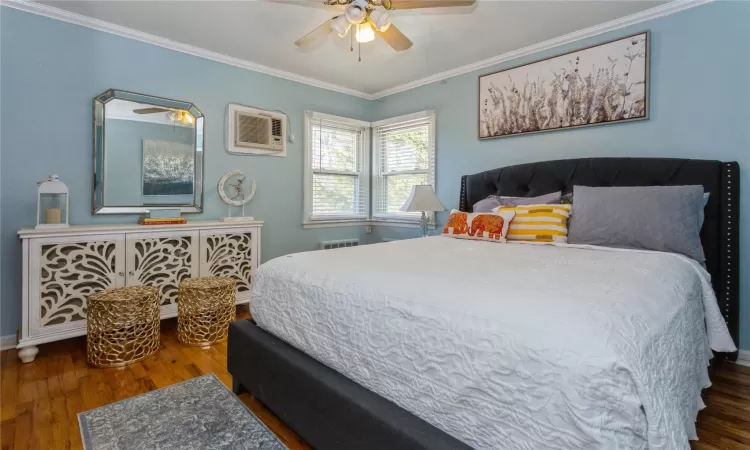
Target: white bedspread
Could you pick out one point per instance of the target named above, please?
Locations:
(508, 346)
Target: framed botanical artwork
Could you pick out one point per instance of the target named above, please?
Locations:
(602, 84)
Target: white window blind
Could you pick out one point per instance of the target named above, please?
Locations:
(338, 180)
(404, 156)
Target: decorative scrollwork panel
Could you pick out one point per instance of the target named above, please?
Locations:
(162, 263)
(229, 255)
(69, 273)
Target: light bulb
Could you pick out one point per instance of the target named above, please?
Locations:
(340, 25)
(364, 33)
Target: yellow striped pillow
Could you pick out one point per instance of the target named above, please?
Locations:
(538, 223)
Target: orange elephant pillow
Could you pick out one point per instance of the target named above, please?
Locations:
(479, 226)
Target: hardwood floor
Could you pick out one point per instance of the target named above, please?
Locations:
(40, 400)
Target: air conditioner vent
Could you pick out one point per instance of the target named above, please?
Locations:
(328, 245)
(276, 127)
(255, 131)
(252, 130)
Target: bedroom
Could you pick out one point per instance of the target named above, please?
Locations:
(62, 55)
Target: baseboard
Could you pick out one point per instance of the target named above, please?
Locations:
(743, 358)
(8, 342)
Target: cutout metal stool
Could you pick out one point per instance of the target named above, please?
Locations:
(205, 308)
(122, 325)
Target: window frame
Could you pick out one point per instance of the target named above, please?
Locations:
(364, 154)
(379, 177)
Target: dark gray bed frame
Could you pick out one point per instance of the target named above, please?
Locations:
(329, 411)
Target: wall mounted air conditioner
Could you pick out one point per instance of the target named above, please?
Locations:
(255, 131)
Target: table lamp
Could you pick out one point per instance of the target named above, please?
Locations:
(422, 199)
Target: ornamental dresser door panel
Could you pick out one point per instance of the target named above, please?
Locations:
(162, 259)
(231, 253)
(63, 271)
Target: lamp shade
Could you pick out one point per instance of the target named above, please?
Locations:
(356, 12)
(380, 19)
(422, 198)
(340, 25)
(364, 33)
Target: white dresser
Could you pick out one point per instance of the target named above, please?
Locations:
(61, 267)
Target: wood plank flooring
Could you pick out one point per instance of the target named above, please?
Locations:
(40, 400)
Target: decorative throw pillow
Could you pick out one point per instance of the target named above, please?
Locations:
(538, 223)
(661, 218)
(493, 201)
(479, 226)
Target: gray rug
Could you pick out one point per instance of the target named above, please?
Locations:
(196, 414)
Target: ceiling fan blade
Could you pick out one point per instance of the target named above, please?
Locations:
(315, 35)
(414, 4)
(149, 110)
(395, 38)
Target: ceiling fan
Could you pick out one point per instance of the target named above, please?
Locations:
(174, 115)
(371, 17)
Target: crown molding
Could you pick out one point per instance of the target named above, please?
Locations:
(648, 14)
(108, 27)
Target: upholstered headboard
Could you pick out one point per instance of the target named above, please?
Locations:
(720, 233)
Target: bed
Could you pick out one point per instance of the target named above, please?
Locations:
(398, 346)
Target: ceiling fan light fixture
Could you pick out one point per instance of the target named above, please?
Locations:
(340, 25)
(183, 117)
(380, 19)
(356, 12)
(364, 33)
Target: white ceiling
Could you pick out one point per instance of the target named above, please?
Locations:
(263, 32)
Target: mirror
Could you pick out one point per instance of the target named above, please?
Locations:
(148, 154)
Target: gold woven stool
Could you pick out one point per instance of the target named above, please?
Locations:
(123, 325)
(205, 308)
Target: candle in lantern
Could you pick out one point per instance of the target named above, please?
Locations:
(52, 215)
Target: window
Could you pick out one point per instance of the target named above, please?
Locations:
(403, 155)
(336, 169)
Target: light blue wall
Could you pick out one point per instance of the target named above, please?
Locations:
(700, 92)
(124, 163)
(700, 67)
(52, 70)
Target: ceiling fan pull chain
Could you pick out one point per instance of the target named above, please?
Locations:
(359, 51)
(351, 43)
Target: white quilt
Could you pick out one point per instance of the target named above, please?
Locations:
(509, 346)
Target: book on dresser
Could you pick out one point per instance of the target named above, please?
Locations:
(161, 221)
(61, 267)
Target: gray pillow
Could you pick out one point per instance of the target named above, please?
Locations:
(663, 218)
(493, 201)
(702, 214)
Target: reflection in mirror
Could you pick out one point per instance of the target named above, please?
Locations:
(148, 152)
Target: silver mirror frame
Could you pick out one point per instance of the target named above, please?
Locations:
(98, 130)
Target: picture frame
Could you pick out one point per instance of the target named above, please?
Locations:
(167, 168)
(601, 84)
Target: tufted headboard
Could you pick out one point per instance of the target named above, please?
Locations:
(720, 233)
